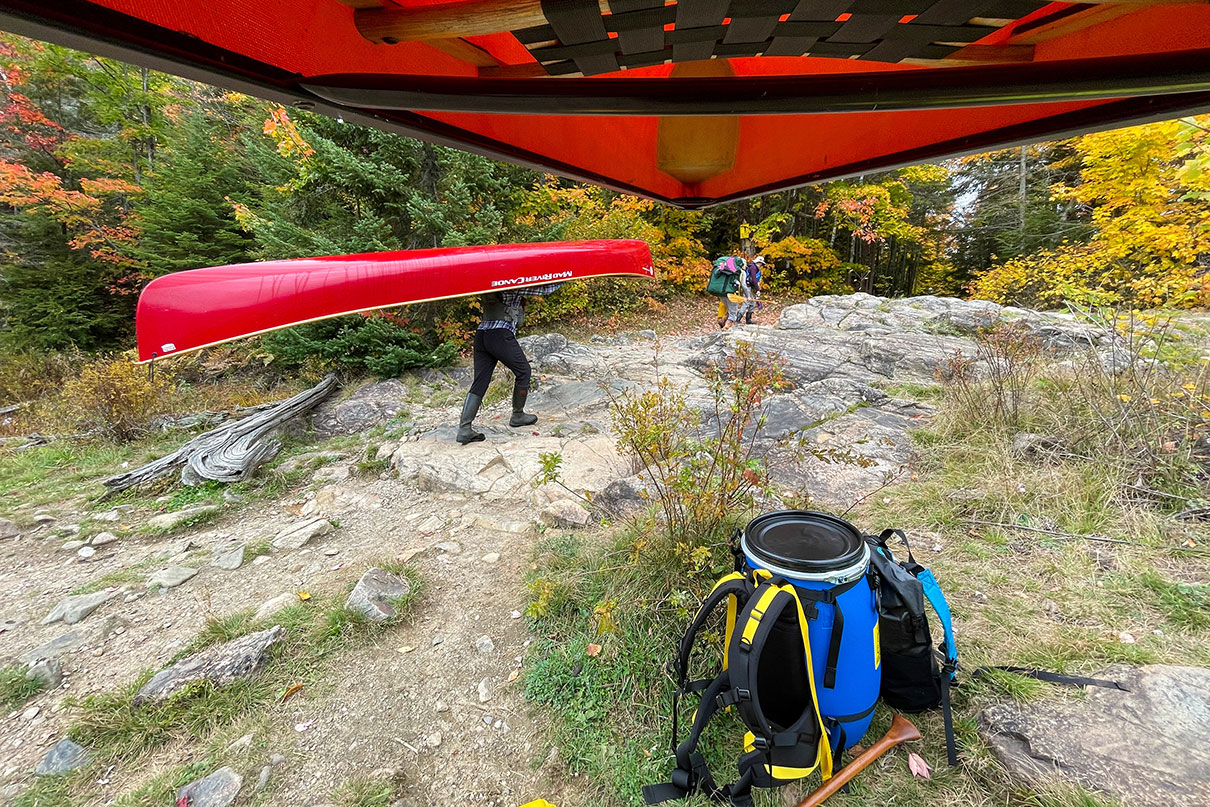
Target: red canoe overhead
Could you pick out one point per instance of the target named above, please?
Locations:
(692, 102)
(190, 310)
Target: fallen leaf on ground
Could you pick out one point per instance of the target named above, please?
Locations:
(407, 648)
(918, 766)
(304, 596)
(593, 650)
(293, 690)
(512, 676)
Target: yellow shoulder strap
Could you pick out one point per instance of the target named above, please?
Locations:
(825, 747)
(732, 608)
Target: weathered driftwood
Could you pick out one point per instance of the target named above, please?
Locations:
(231, 452)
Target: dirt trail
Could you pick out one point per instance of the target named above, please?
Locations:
(378, 708)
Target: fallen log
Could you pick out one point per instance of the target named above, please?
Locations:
(231, 452)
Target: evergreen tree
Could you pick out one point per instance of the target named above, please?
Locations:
(187, 218)
(1005, 207)
(52, 297)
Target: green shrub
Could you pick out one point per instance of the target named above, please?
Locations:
(376, 343)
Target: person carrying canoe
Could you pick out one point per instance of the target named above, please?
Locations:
(496, 342)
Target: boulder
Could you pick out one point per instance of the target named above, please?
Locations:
(622, 496)
(73, 609)
(370, 406)
(1147, 746)
(56, 647)
(219, 789)
(103, 538)
(65, 756)
(376, 593)
(564, 513)
(270, 607)
(171, 577)
(229, 559)
(221, 665)
(506, 469)
(46, 671)
(8, 529)
(539, 346)
(297, 535)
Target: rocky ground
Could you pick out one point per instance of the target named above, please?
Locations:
(437, 700)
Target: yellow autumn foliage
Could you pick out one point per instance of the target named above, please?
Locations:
(116, 398)
(1148, 190)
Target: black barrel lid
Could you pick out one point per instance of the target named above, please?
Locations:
(804, 541)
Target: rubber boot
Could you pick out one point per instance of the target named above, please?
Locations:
(469, 409)
(520, 418)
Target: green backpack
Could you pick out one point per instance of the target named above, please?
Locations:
(724, 277)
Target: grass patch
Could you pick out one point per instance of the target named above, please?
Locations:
(316, 632)
(1185, 605)
(371, 465)
(51, 791)
(15, 687)
(930, 393)
(610, 710)
(262, 547)
(65, 470)
(367, 791)
(131, 575)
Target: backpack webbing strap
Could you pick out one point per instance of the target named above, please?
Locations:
(731, 586)
(1054, 678)
(691, 772)
(889, 533)
(828, 597)
(947, 716)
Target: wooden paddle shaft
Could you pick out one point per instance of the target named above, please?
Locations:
(901, 731)
(451, 20)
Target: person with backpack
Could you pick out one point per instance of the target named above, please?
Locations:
(725, 279)
(495, 343)
(750, 289)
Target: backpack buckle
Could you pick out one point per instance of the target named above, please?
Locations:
(732, 697)
(760, 743)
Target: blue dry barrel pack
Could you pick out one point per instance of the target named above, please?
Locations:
(821, 621)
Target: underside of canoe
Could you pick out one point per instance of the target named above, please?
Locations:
(690, 102)
(196, 309)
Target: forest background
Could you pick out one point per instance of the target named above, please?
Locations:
(111, 175)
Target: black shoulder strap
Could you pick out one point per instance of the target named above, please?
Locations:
(731, 585)
(889, 533)
(691, 772)
(1054, 678)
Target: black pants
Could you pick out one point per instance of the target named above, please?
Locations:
(498, 345)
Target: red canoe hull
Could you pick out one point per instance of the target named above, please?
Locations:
(191, 310)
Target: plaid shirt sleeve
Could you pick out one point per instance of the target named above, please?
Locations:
(513, 296)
